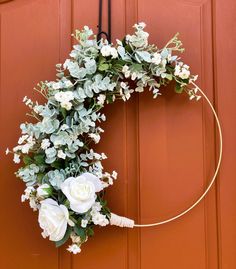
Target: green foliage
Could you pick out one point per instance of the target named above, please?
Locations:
(64, 239)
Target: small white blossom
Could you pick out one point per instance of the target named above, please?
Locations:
(100, 219)
(45, 144)
(27, 192)
(156, 59)
(119, 42)
(44, 191)
(182, 71)
(25, 148)
(114, 174)
(61, 154)
(95, 137)
(22, 139)
(74, 249)
(24, 198)
(198, 97)
(126, 71)
(16, 158)
(64, 98)
(66, 105)
(33, 204)
(101, 99)
(56, 85)
(7, 151)
(84, 223)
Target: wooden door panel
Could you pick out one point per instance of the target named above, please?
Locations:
(177, 148)
(29, 51)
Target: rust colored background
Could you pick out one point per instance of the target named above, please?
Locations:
(164, 150)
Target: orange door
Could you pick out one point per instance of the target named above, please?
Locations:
(167, 147)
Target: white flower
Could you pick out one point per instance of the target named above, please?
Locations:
(66, 105)
(56, 85)
(44, 191)
(96, 207)
(7, 151)
(114, 53)
(53, 219)
(134, 75)
(156, 58)
(68, 96)
(123, 85)
(45, 144)
(22, 139)
(114, 174)
(24, 198)
(100, 219)
(16, 158)
(119, 42)
(106, 50)
(182, 71)
(25, 148)
(84, 223)
(198, 97)
(33, 204)
(74, 249)
(61, 154)
(64, 98)
(80, 191)
(101, 99)
(95, 137)
(29, 190)
(126, 71)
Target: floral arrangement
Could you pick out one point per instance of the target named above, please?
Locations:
(63, 174)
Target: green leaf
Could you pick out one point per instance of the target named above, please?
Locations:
(57, 164)
(80, 232)
(63, 112)
(109, 99)
(90, 231)
(64, 239)
(178, 88)
(27, 160)
(103, 67)
(169, 76)
(40, 178)
(39, 159)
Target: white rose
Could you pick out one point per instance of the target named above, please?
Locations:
(114, 53)
(106, 50)
(53, 219)
(44, 190)
(80, 191)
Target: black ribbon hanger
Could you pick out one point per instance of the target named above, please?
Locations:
(100, 30)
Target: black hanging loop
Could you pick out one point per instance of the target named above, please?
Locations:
(100, 31)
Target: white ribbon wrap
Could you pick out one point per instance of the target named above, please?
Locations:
(121, 221)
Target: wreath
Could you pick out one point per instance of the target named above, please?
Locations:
(64, 176)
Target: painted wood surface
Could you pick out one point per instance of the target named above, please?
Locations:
(164, 150)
